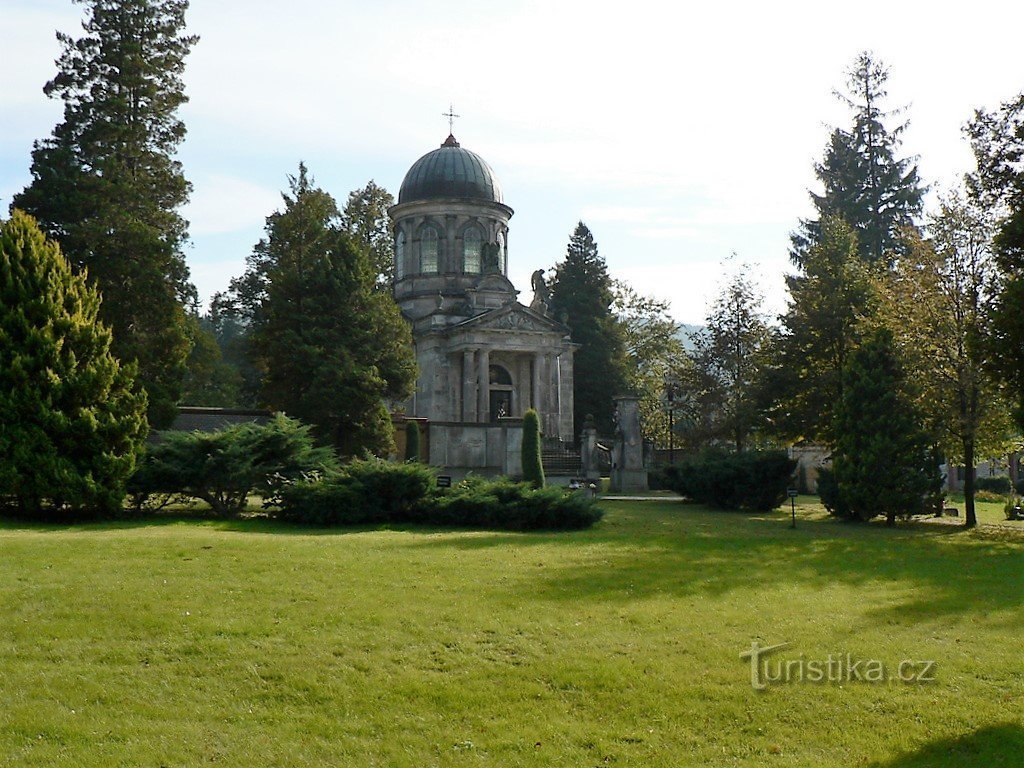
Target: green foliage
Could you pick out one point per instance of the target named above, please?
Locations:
(997, 139)
(730, 358)
(106, 186)
(224, 467)
(533, 468)
(333, 349)
(755, 480)
(865, 184)
(828, 492)
(1000, 485)
(412, 441)
(883, 461)
(655, 354)
(366, 220)
(822, 326)
(73, 417)
(209, 381)
(582, 297)
(504, 505)
(377, 491)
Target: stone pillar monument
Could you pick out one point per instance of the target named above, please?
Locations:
(628, 471)
(588, 450)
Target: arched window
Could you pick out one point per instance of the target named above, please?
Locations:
(400, 255)
(428, 250)
(502, 253)
(499, 376)
(472, 246)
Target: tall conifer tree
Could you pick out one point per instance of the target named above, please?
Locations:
(105, 184)
(333, 349)
(582, 296)
(865, 183)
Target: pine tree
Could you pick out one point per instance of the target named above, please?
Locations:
(106, 186)
(582, 297)
(73, 418)
(865, 183)
(883, 459)
(333, 349)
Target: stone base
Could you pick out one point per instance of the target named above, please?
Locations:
(628, 480)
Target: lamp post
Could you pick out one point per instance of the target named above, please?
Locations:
(670, 399)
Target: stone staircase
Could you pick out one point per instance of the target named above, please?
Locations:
(560, 459)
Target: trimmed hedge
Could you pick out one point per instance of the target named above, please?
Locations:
(757, 480)
(1000, 485)
(376, 491)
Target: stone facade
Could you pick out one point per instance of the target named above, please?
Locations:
(484, 358)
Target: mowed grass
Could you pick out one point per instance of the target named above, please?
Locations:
(184, 643)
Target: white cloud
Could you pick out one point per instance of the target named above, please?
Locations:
(222, 204)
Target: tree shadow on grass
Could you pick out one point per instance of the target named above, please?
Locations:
(989, 747)
(643, 550)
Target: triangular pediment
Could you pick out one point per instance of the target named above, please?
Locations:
(513, 317)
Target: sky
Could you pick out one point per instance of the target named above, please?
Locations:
(681, 133)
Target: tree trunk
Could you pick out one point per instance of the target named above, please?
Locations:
(970, 518)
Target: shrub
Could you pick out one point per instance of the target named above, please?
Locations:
(998, 485)
(377, 492)
(222, 468)
(533, 466)
(1012, 508)
(828, 492)
(757, 480)
(989, 496)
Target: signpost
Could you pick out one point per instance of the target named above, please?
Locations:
(793, 493)
(444, 481)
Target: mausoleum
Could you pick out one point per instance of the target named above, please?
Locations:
(484, 358)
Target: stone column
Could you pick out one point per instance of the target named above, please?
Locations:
(588, 452)
(551, 416)
(535, 388)
(628, 472)
(484, 380)
(468, 385)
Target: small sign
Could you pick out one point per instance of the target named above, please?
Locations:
(444, 481)
(793, 493)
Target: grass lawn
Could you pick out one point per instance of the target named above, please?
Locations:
(182, 642)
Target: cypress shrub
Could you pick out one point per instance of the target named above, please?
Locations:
(533, 468)
(72, 418)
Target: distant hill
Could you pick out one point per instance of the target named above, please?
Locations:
(686, 334)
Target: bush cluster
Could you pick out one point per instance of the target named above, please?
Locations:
(998, 485)
(376, 491)
(757, 480)
(224, 467)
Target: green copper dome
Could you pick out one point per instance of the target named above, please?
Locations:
(450, 172)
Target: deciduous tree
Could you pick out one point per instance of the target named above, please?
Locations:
(935, 301)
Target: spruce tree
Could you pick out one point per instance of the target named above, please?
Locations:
(820, 329)
(365, 218)
(582, 296)
(412, 441)
(877, 193)
(883, 459)
(105, 184)
(73, 417)
(334, 350)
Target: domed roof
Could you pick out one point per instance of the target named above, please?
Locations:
(450, 172)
